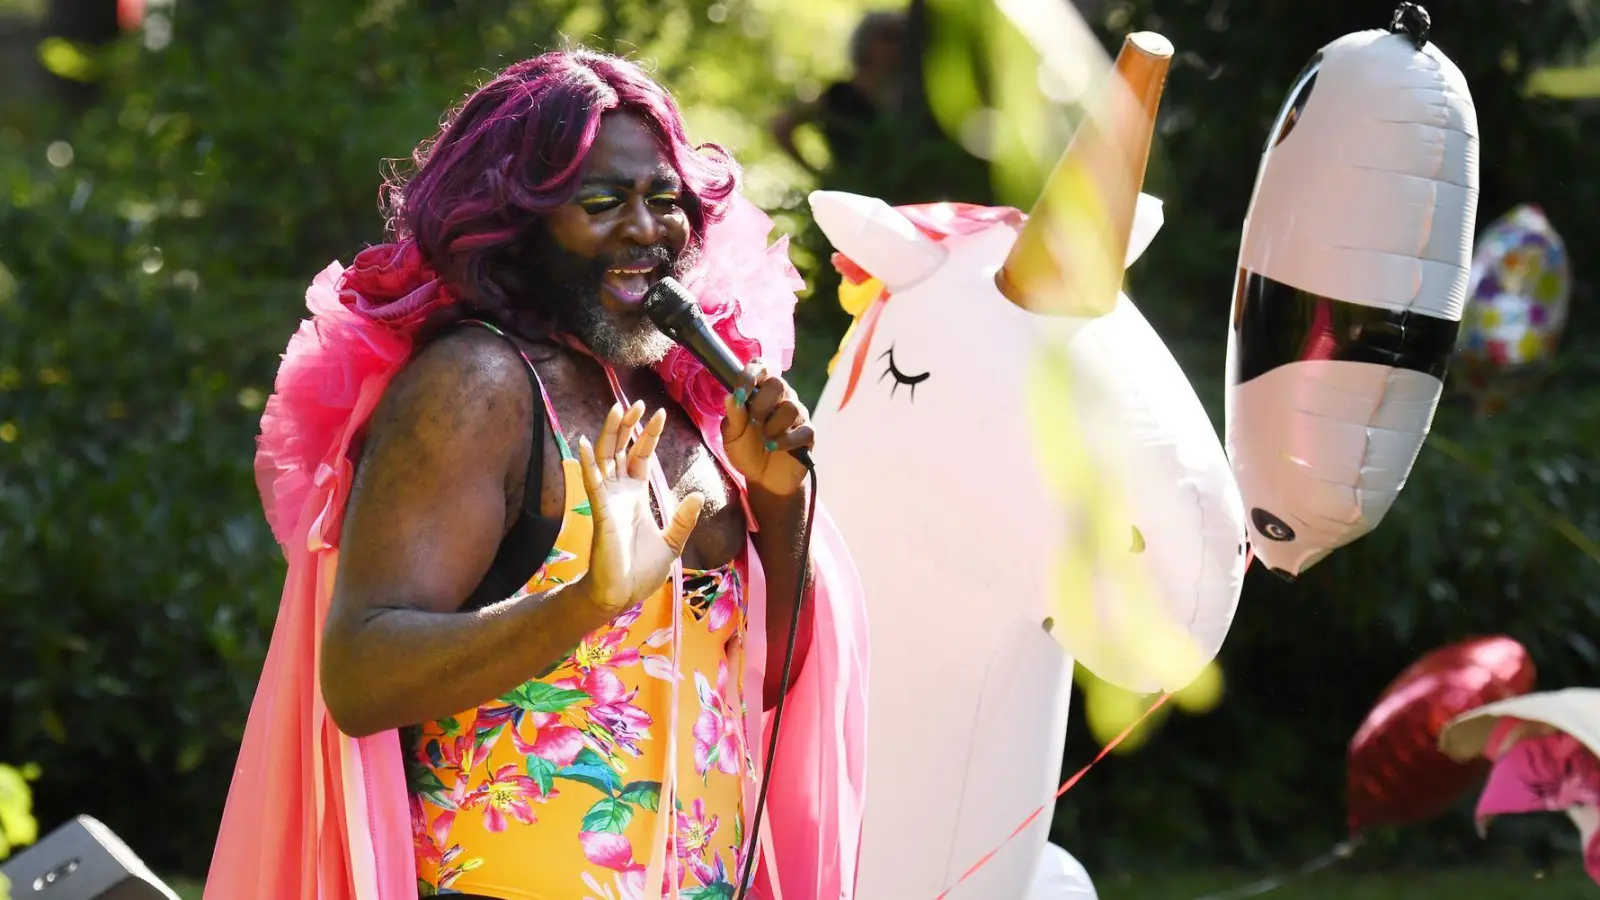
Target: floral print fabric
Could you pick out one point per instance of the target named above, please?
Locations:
(552, 790)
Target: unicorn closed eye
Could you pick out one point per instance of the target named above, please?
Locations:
(950, 475)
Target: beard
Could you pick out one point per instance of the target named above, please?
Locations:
(573, 284)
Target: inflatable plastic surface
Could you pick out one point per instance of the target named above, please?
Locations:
(931, 458)
(1352, 278)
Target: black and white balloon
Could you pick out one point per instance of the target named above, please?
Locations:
(1352, 279)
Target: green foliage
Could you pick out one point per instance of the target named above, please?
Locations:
(140, 586)
(150, 276)
(17, 825)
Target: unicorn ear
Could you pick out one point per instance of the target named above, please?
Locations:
(876, 238)
(1147, 220)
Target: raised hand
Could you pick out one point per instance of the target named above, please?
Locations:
(631, 556)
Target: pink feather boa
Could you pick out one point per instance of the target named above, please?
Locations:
(745, 287)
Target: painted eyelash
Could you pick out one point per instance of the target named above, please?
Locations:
(900, 377)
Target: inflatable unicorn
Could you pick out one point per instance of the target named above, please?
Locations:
(931, 463)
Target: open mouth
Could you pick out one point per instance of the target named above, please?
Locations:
(629, 283)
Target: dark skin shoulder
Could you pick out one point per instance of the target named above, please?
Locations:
(444, 464)
(439, 483)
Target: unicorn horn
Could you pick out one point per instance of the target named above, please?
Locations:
(1069, 258)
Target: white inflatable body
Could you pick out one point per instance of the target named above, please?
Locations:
(1352, 279)
(932, 472)
(1060, 877)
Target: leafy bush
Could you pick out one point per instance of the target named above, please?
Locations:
(17, 826)
(152, 269)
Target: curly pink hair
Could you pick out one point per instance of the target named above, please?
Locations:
(512, 153)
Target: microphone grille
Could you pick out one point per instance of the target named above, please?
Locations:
(665, 298)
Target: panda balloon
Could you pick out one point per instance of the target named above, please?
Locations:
(1351, 283)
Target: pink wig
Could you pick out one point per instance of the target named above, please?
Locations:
(512, 153)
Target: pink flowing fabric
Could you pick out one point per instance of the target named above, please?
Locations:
(1546, 773)
(315, 814)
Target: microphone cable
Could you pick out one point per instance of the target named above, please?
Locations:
(754, 846)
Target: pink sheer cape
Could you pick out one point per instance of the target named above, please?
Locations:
(313, 813)
(1544, 773)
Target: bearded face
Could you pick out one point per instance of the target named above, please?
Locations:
(598, 254)
(579, 292)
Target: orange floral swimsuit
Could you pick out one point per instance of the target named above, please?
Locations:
(554, 791)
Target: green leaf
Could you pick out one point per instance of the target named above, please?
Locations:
(424, 781)
(584, 509)
(719, 891)
(609, 815)
(537, 696)
(450, 725)
(590, 769)
(190, 757)
(542, 771)
(487, 735)
(588, 757)
(645, 794)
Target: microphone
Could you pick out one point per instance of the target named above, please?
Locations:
(676, 313)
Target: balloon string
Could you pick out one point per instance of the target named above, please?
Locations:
(1067, 786)
(1341, 851)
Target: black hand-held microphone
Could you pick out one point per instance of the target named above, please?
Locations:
(674, 310)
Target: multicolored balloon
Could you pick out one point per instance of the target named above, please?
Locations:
(1517, 297)
(1396, 772)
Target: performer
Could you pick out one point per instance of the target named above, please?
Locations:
(484, 464)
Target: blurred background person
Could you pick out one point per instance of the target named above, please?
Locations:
(847, 109)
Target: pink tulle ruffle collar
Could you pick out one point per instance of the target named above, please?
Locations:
(364, 320)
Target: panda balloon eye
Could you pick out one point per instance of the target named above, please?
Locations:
(1299, 96)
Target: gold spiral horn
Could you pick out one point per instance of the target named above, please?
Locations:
(1069, 258)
